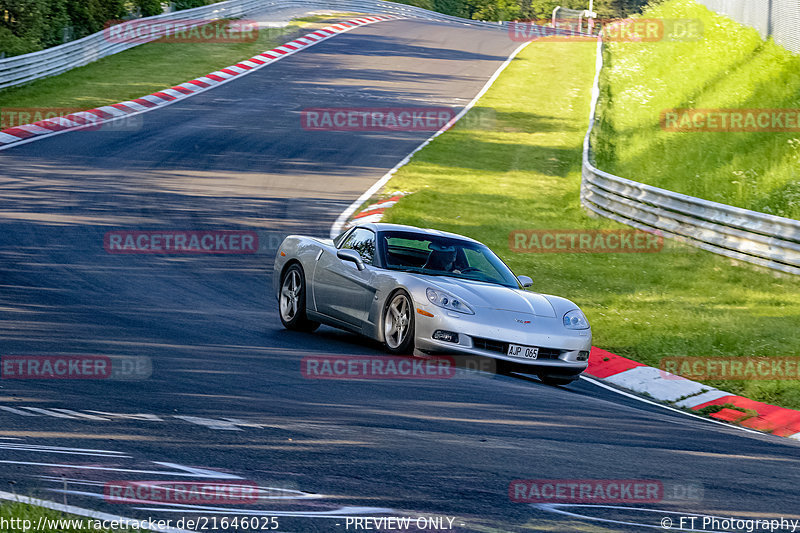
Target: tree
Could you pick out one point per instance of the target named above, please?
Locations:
(457, 8)
(188, 4)
(148, 8)
(618, 8)
(22, 26)
(494, 9)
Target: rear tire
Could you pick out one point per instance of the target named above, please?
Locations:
(398, 324)
(292, 300)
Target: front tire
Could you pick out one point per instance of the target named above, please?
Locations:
(398, 324)
(292, 300)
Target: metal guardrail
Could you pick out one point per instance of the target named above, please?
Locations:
(759, 238)
(779, 19)
(25, 68)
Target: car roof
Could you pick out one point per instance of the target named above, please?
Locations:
(383, 226)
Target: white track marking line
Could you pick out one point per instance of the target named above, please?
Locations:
(210, 423)
(344, 512)
(54, 449)
(199, 472)
(129, 416)
(187, 470)
(340, 221)
(635, 397)
(243, 423)
(17, 411)
(77, 414)
(89, 450)
(73, 481)
(48, 413)
(189, 506)
(79, 511)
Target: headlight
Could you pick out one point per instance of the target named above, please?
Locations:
(575, 320)
(448, 301)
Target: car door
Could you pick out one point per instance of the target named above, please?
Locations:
(341, 291)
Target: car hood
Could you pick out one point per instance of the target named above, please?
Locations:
(491, 296)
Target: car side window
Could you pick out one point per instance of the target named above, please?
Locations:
(362, 241)
(337, 241)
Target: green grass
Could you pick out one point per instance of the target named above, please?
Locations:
(142, 70)
(524, 173)
(731, 67)
(20, 512)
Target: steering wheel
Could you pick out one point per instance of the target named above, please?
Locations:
(469, 269)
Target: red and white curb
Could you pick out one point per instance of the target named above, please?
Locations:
(684, 393)
(94, 117)
(374, 213)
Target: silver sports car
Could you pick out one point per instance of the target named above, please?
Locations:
(432, 291)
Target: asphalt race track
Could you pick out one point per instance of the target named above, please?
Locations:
(226, 398)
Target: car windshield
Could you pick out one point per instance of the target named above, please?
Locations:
(444, 256)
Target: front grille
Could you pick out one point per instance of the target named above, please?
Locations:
(490, 345)
(502, 347)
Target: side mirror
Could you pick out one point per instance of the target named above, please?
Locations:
(347, 254)
(525, 281)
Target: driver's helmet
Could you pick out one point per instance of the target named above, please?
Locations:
(442, 256)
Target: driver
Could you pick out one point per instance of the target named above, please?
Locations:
(442, 257)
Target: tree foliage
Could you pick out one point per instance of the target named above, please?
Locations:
(526, 9)
(149, 8)
(30, 25)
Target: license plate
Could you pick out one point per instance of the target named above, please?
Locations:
(527, 352)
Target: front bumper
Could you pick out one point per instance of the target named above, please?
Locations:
(489, 332)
